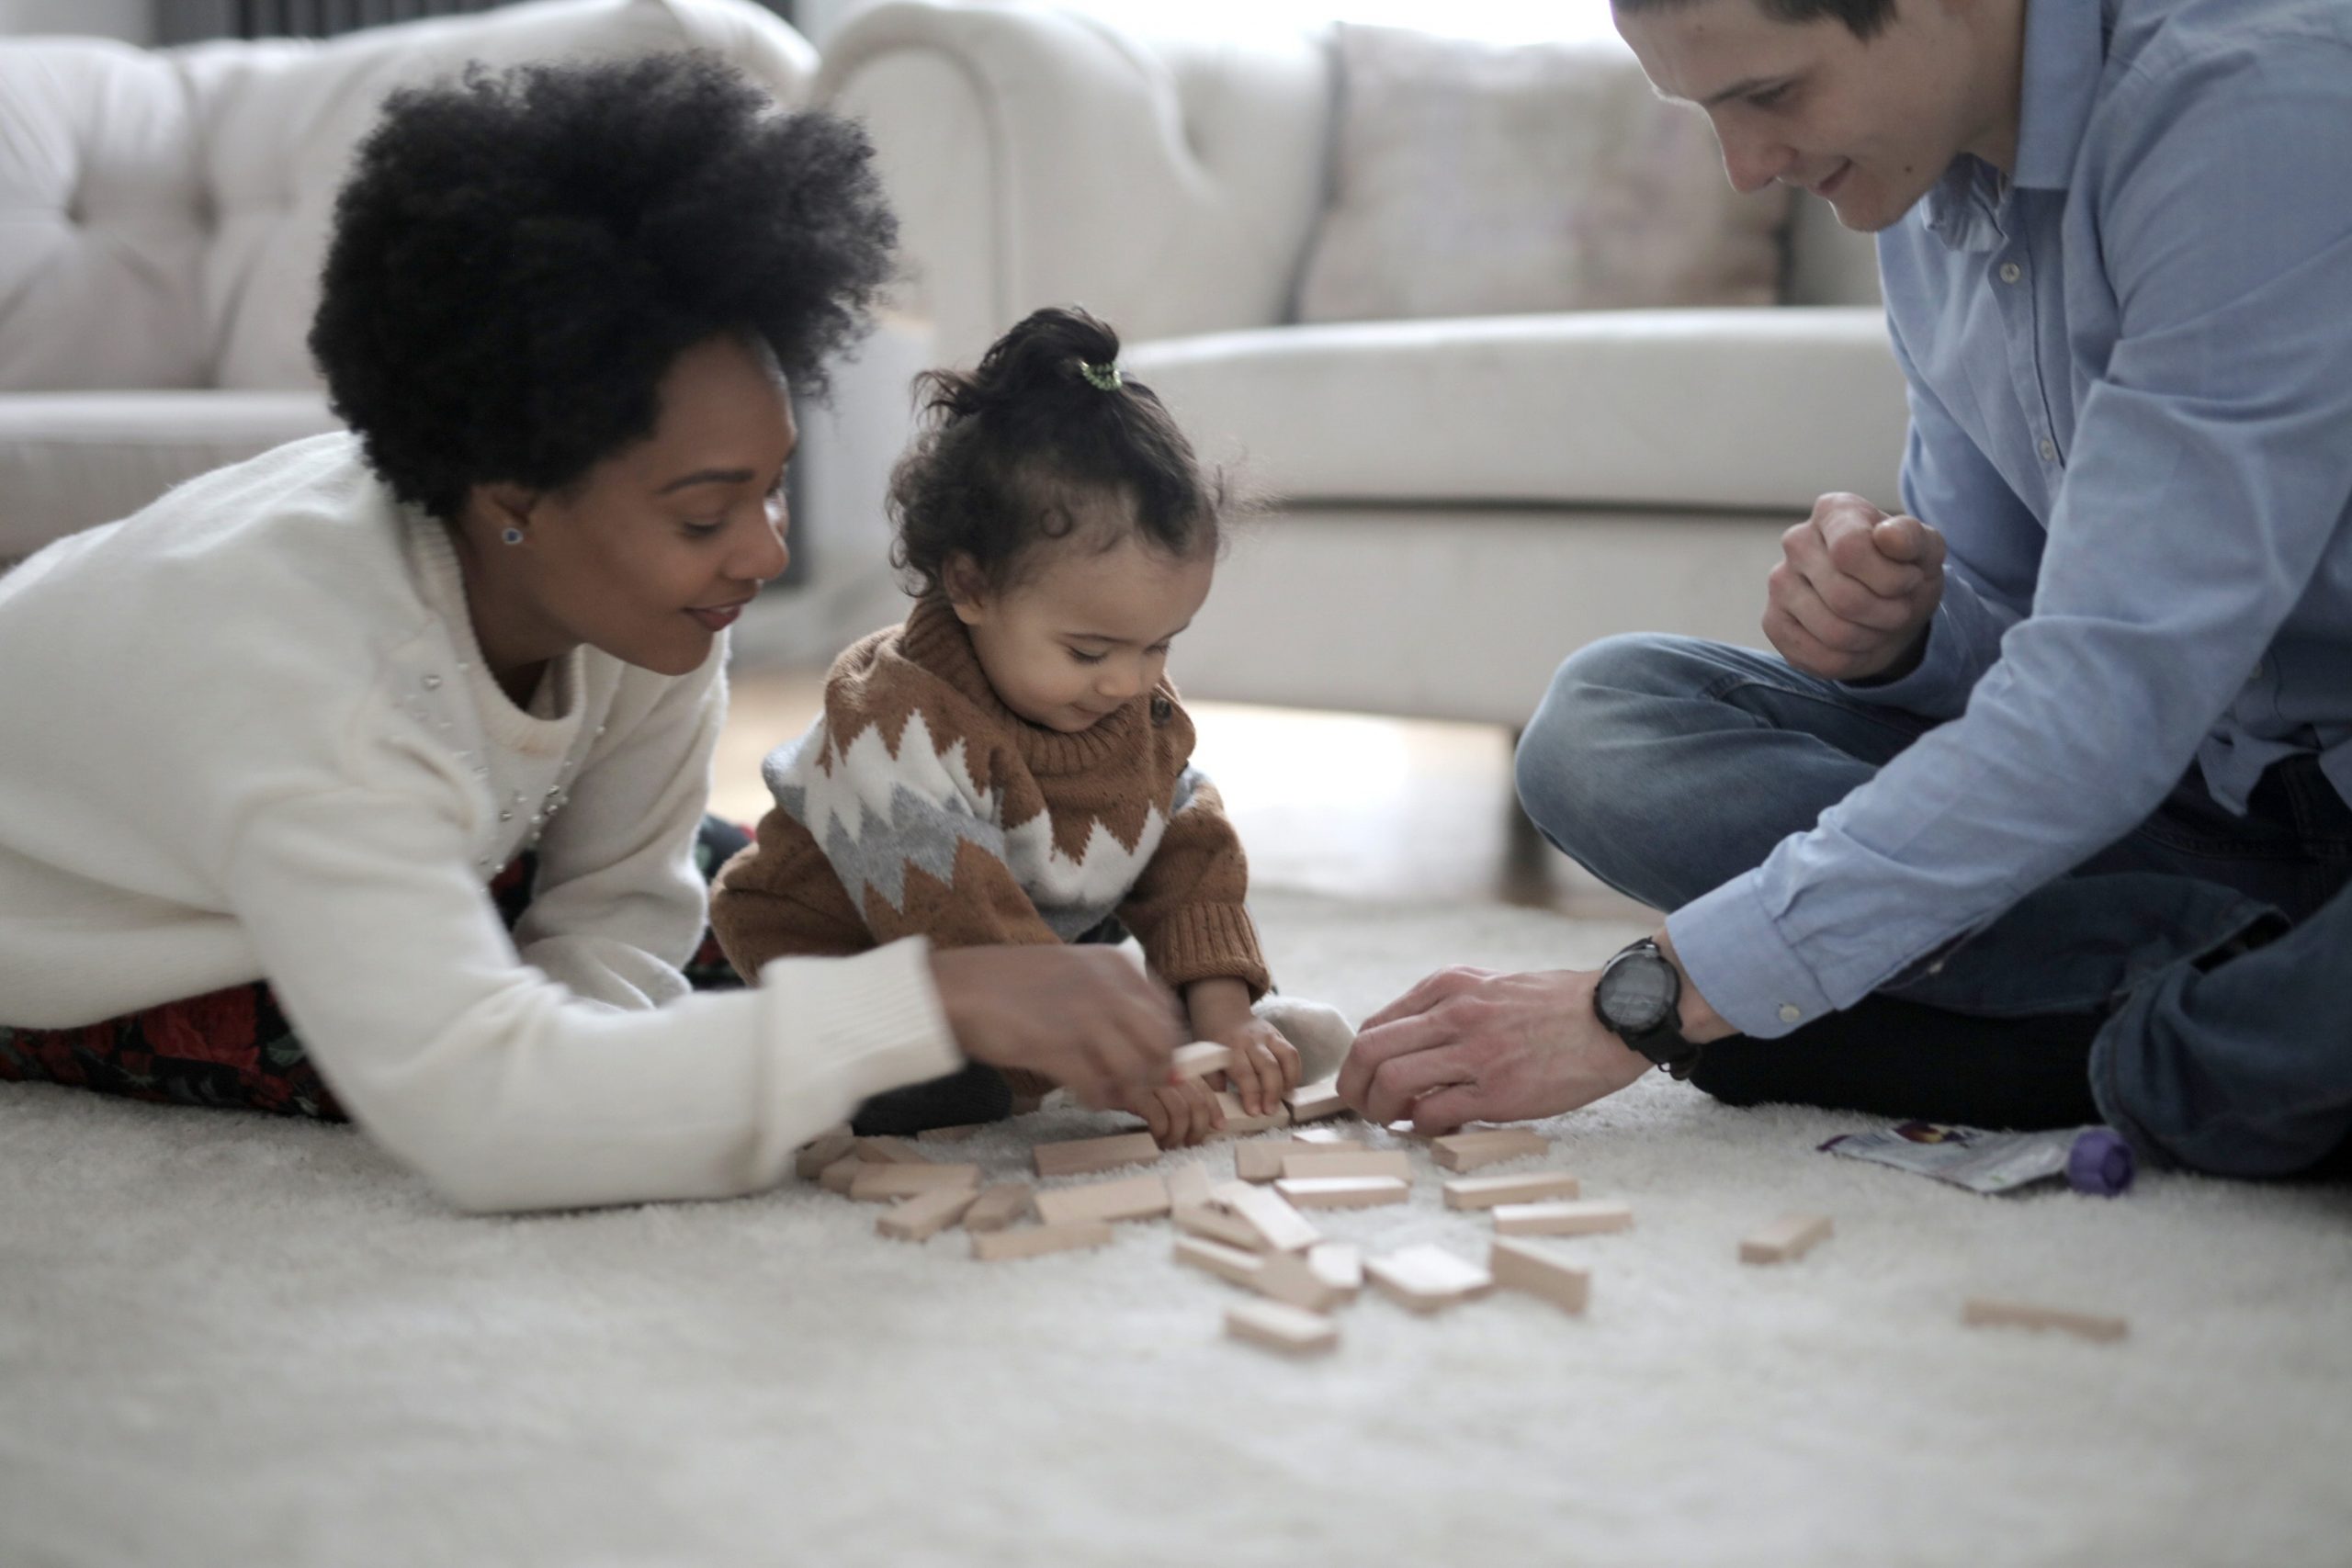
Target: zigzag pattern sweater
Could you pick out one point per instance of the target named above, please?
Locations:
(918, 804)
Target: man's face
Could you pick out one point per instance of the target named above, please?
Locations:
(1868, 125)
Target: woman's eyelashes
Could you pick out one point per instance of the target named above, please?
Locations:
(705, 528)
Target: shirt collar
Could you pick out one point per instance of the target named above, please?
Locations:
(2066, 52)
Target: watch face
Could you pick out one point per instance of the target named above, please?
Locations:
(1636, 993)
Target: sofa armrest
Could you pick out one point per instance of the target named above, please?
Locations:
(1040, 156)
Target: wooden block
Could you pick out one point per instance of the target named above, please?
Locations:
(838, 1175)
(1983, 1313)
(1280, 1328)
(1468, 1151)
(1188, 1184)
(1083, 1156)
(1349, 1162)
(1217, 1223)
(1344, 1191)
(833, 1144)
(999, 1206)
(1589, 1218)
(1284, 1276)
(1521, 1266)
(882, 1183)
(1035, 1241)
(890, 1151)
(921, 1217)
(1280, 1226)
(1240, 1123)
(1786, 1239)
(1261, 1158)
(949, 1135)
(1200, 1058)
(1234, 1265)
(1339, 1264)
(1314, 1101)
(1130, 1198)
(1485, 1192)
(1326, 1138)
(1424, 1279)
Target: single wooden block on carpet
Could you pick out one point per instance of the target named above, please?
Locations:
(1130, 1198)
(999, 1206)
(1188, 1184)
(1036, 1241)
(1082, 1157)
(834, 1143)
(1284, 1328)
(1215, 1223)
(1424, 1279)
(1282, 1276)
(1786, 1239)
(837, 1177)
(1593, 1217)
(1984, 1313)
(1234, 1265)
(1468, 1151)
(1323, 1138)
(1261, 1158)
(1339, 1264)
(921, 1217)
(1349, 1162)
(882, 1183)
(1522, 1266)
(1485, 1192)
(1200, 1058)
(1281, 1227)
(1240, 1123)
(1314, 1101)
(890, 1151)
(1344, 1191)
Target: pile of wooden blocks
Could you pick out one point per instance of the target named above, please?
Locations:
(1253, 1231)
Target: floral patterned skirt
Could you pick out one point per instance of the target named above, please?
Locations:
(234, 1048)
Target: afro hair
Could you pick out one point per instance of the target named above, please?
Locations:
(518, 257)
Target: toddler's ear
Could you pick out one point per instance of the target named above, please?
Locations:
(966, 587)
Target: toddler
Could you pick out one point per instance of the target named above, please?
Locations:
(1011, 764)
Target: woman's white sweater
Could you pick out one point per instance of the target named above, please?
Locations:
(247, 734)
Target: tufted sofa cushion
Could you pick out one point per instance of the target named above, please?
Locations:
(163, 215)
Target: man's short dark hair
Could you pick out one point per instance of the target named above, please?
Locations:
(518, 258)
(1862, 18)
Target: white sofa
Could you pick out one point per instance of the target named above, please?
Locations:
(164, 214)
(1461, 502)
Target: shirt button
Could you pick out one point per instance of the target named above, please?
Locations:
(2260, 669)
(2049, 450)
(1791, 1012)
(2011, 272)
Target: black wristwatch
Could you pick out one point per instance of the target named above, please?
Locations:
(1638, 999)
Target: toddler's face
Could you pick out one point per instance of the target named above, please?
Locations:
(1084, 630)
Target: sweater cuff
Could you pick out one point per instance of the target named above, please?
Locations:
(841, 1031)
(1209, 942)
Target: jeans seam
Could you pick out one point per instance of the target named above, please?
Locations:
(1721, 686)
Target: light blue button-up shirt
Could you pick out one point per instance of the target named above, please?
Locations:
(2131, 371)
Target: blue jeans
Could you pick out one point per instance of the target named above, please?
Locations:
(2202, 956)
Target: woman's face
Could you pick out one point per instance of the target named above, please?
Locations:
(658, 548)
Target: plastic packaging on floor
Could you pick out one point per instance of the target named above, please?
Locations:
(2091, 1160)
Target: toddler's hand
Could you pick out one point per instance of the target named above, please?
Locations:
(1264, 1065)
(1179, 1114)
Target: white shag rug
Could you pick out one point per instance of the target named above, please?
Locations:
(236, 1341)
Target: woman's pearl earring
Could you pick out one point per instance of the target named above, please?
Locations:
(512, 537)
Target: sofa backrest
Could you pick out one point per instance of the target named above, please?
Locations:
(164, 213)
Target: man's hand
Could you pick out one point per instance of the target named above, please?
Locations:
(1473, 1045)
(1084, 1017)
(1854, 590)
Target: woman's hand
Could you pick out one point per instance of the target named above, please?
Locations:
(1179, 1114)
(1085, 1017)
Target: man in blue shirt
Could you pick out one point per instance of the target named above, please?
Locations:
(2040, 817)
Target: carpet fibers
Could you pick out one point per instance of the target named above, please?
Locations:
(228, 1339)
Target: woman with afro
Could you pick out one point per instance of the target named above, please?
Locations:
(367, 777)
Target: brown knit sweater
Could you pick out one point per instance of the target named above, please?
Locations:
(918, 803)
